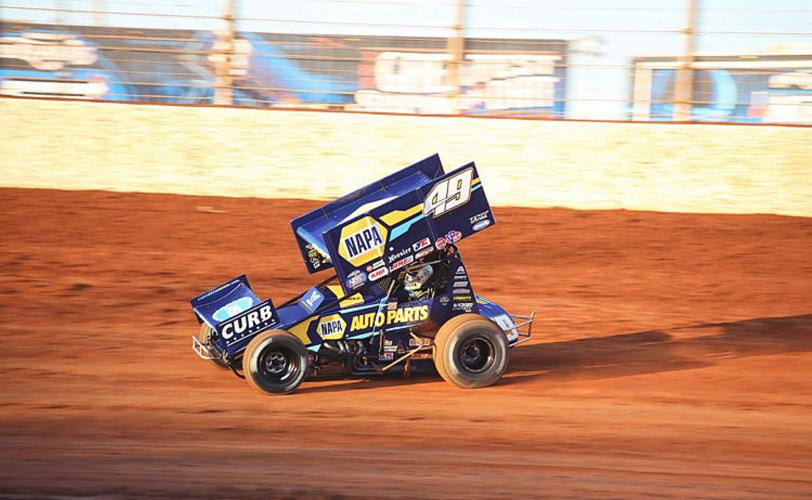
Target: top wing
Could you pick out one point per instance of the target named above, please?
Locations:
(385, 238)
(310, 228)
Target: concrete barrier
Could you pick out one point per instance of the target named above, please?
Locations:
(293, 154)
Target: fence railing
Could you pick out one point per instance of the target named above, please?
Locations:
(682, 60)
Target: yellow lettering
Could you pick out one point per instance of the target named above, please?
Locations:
(424, 313)
(391, 316)
(380, 319)
(356, 323)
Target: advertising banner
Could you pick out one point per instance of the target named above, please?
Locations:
(366, 73)
(745, 89)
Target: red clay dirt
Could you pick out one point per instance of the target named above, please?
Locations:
(672, 357)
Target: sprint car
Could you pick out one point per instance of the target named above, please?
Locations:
(399, 291)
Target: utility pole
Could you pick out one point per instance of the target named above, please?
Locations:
(684, 89)
(222, 52)
(456, 50)
(98, 16)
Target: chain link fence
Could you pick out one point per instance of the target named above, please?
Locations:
(683, 60)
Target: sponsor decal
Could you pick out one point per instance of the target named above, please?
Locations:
(444, 300)
(378, 274)
(461, 291)
(48, 51)
(352, 300)
(478, 217)
(460, 284)
(508, 326)
(316, 258)
(387, 356)
(312, 300)
(453, 236)
(379, 319)
(402, 262)
(463, 306)
(423, 253)
(391, 305)
(395, 256)
(463, 298)
(356, 278)
(390, 348)
(331, 327)
(233, 308)
(248, 323)
(374, 265)
(362, 241)
(481, 225)
(440, 243)
(460, 272)
(420, 245)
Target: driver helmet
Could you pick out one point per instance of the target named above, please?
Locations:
(417, 277)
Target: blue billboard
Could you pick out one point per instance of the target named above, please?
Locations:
(741, 89)
(365, 73)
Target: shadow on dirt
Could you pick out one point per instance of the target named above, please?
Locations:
(656, 351)
(637, 353)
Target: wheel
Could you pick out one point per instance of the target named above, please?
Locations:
(275, 362)
(204, 336)
(471, 351)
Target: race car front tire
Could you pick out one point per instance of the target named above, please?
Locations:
(471, 351)
(275, 362)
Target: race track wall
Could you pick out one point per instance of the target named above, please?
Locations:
(293, 154)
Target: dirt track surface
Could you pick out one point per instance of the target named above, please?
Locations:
(673, 357)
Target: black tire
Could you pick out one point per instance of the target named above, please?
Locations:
(275, 362)
(204, 336)
(470, 351)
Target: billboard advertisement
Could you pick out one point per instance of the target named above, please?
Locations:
(365, 73)
(742, 88)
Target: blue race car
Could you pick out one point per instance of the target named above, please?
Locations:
(400, 291)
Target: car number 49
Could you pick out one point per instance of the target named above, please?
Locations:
(449, 194)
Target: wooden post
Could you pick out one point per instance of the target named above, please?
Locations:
(223, 52)
(684, 89)
(456, 50)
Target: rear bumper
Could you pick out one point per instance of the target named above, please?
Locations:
(523, 326)
(201, 350)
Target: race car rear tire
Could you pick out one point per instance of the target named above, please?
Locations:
(204, 336)
(275, 362)
(471, 351)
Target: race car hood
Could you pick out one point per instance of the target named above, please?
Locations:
(309, 229)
